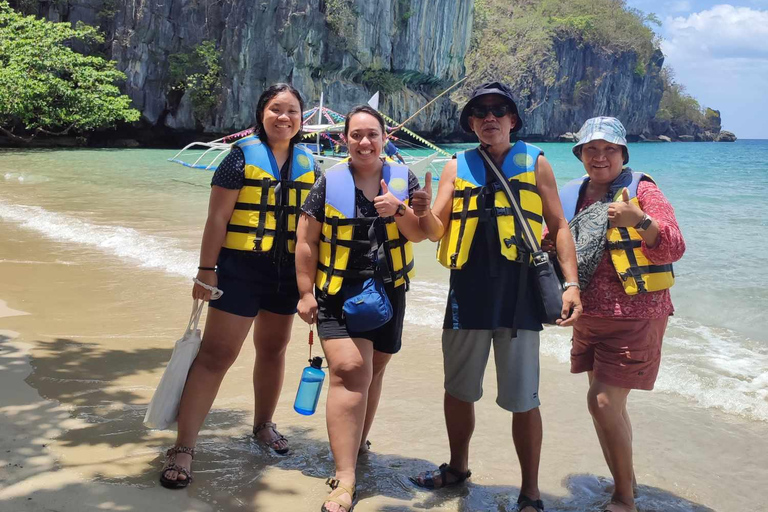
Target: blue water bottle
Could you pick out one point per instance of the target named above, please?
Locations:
(309, 388)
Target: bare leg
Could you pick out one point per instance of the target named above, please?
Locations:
(604, 444)
(222, 341)
(350, 361)
(527, 434)
(271, 334)
(607, 404)
(380, 361)
(460, 424)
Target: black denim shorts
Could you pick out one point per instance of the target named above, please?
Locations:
(252, 282)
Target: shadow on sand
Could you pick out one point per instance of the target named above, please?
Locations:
(228, 470)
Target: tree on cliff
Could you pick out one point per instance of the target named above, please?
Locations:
(513, 40)
(47, 87)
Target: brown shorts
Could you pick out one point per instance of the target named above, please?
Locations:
(625, 353)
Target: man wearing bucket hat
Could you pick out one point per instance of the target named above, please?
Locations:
(491, 298)
(617, 340)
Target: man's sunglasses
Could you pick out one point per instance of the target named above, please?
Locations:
(481, 111)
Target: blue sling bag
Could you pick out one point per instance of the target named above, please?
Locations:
(366, 305)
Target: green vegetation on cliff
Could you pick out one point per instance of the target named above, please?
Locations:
(199, 73)
(46, 87)
(514, 40)
(682, 110)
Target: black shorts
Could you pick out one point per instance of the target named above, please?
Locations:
(387, 338)
(252, 282)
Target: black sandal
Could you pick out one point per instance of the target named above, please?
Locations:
(444, 469)
(170, 465)
(524, 501)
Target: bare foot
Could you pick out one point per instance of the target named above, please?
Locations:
(267, 434)
(617, 506)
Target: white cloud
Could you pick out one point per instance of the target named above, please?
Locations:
(723, 31)
(721, 55)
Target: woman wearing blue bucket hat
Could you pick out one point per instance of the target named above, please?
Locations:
(625, 277)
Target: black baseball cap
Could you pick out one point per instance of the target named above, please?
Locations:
(489, 88)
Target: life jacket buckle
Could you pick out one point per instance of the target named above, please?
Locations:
(509, 242)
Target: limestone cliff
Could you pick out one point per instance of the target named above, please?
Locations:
(591, 82)
(262, 42)
(416, 47)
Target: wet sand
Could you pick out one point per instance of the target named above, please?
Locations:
(78, 375)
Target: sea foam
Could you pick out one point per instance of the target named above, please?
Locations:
(128, 244)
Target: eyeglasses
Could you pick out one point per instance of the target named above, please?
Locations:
(481, 111)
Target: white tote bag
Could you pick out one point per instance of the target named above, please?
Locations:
(164, 407)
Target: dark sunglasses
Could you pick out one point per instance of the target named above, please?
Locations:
(481, 111)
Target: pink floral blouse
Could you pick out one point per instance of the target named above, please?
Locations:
(605, 297)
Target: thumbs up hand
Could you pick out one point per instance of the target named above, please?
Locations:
(422, 198)
(386, 203)
(624, 213)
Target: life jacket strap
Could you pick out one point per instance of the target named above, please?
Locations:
(253, 207)
(266, 183)
(249, 230)
(624, 245)
(330, 270)
(346, 273)
(466, 194)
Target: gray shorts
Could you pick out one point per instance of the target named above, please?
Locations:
(465, 356)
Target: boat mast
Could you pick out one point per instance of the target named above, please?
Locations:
(319, 121)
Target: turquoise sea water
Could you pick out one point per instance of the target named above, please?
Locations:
(136, 206)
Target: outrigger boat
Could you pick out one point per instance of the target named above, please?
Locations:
(327, 130)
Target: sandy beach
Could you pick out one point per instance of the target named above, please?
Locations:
(97, 252)
(81, 365)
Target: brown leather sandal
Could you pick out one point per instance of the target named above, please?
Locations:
(272, 444)
(339, 490)
(170, 465)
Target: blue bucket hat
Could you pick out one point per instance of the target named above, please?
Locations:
(608, 129)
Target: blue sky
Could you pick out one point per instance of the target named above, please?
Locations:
(719, 51)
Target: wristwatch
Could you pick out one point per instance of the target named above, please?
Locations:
(400, 210)
(568, 284)
(645, 223)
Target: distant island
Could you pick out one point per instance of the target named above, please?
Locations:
(166, 75)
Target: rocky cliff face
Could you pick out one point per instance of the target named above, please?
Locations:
(280, 40)
(291, 40)
(591, 82)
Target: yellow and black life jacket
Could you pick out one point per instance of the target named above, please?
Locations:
(269, 207)
(637, 273)
(519, 168)
(337, 236)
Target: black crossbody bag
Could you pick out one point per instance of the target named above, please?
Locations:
(548, 285)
